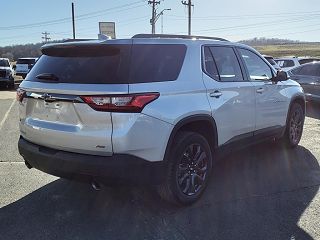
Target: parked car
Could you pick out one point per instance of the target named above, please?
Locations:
(289, 63)
(6, 73)
(308, 75)
(270, 59)
(24, 65)
(88, 111)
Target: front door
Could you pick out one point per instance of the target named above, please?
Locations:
(271, 105)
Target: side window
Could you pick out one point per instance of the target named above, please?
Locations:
(227, 64)
(210, 65)
(257, 68)
(309, 70)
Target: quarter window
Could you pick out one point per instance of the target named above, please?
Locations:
(210, 65)
(258, 69)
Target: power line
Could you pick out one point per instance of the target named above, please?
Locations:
(255, 25)
(46, 37)
(67, 19)
(189, 4)
(251, 15)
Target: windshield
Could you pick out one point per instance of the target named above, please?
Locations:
(4, 63)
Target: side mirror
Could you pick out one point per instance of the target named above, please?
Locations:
(281, 76)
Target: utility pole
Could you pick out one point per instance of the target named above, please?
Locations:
(189, 4)
(154, 13)
(73, 23)
(45, 37)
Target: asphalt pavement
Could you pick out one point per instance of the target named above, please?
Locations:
(265, 192)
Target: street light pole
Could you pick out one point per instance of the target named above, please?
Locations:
(161, 14)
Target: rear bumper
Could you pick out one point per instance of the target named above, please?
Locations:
(118, 168)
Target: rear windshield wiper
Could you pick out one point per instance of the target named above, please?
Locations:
(47, 76)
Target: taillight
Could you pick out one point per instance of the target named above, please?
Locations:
(120, 103)
(20, 94)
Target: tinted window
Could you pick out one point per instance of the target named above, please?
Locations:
(156, 63)
(26, 61)
(84, 65)
(303, 61)
(257, 68)
(111, 63)
(209, 64)
(4, 63)
(285, 63)
(309, 70)
(226, 63)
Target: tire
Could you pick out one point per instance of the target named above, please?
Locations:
(188, 170)
(294, 127)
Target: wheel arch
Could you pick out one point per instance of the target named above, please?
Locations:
(296, 99)
(300, 100)
(200, 123)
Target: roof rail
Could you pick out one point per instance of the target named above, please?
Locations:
(177, 36)
(77, 40)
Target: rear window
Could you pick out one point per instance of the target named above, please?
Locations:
(26, 61)
(285, 63)
(111, 64)
(4, 63)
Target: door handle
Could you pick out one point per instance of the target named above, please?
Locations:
(216, 94)
(260, 90)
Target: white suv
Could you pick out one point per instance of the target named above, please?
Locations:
(152, 109)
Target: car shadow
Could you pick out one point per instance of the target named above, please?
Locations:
(313, 110)
(257, 193)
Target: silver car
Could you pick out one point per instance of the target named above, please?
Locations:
(155, 109)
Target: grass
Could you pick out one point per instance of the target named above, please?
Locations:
(297, 49)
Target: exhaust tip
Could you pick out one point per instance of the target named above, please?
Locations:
(27, 164)
(95, 185)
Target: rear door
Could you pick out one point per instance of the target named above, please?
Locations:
(231, 97)
(54, 112)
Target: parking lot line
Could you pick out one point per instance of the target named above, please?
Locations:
(6, 114)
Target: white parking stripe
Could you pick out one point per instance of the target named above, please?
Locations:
(6, 115)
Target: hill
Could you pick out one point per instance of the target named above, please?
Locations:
(17, 51)
(296, 49)
(283, 47)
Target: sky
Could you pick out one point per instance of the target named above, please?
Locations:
(23, 21)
